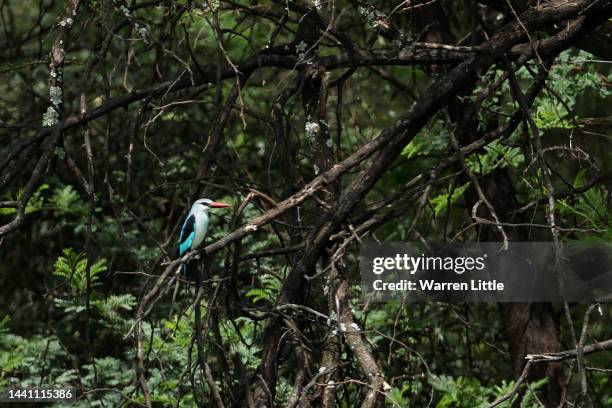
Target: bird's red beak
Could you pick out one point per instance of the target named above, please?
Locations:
(216, 204)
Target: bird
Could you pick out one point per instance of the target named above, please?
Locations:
(195, 226)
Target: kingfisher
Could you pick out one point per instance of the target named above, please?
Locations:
(195, 226)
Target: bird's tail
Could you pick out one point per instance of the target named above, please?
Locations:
(184, 269)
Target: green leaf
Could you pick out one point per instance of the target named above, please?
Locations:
(257, 295)
(440, 202)
(111, 306)
(73, 267)
(67, 199)
(4, 323)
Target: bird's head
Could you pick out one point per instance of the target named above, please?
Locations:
(205, 204)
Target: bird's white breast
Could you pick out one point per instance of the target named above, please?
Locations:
(201, 224)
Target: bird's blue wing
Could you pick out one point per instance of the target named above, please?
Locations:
(187, 235)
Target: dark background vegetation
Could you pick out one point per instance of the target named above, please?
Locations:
(325, 124)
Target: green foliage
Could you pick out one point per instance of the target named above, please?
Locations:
(4, 322)
(567, 82)
(433, 141)
(73, 268)
(37, 199)
(463, 392)
(496, 156)
(240, 336)
(30, 361)
(110, 307)
(34, 204)
(529, 399)
(66, 199)
(549, 114)
(590, 208)
(460, 392)
(269, 290)
(442, 201)
(396, 398)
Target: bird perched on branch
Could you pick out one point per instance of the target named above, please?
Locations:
(195, 226)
